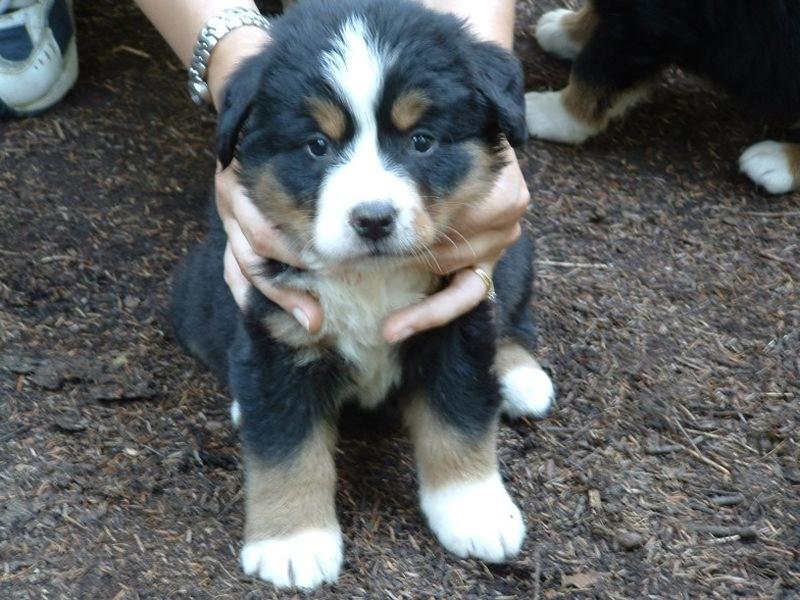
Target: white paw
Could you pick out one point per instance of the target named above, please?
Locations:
(304, 560)
(768, 165)
(548, 119)
(553, 38)
(236, 413)
(527, 391)
(475, 519)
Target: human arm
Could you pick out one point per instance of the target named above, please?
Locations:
(250, 235)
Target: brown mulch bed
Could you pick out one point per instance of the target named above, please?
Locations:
(669, 302)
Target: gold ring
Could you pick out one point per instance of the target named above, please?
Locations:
(491, 295)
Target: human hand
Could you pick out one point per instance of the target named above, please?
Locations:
(485, 231)
(251, 240)
(251, 237)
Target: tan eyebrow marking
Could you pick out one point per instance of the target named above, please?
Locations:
(408, 109)
(330, 118)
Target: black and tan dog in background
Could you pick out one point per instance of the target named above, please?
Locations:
(749, 48)
(361, 129)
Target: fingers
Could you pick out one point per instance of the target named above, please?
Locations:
(235, 206)
(487, 246)
(487, 230)
(506, 204)
(252, 239)
(241, 271)
(465, 292)
(237, 282)
(482, 232)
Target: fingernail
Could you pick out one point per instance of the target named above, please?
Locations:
(302, 318)
(402, 335)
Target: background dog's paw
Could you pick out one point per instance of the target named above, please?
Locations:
(769, 164)
(527, 392)
(475, 519)
(552, 36)
(548, 119)
(304, 560)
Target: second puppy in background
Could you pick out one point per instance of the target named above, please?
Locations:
(750, 49)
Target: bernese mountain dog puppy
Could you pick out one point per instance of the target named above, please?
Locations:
(361, 129)
(751, 49)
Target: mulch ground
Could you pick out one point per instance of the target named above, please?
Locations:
(669, 301)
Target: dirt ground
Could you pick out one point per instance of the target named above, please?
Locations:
(669, 301)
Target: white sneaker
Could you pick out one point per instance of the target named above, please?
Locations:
(38, 55)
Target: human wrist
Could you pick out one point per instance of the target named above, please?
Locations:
(489, 21)
(233, 49)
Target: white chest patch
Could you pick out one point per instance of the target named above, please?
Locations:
(355, 305)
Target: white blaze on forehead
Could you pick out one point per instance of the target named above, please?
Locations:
(355, 68)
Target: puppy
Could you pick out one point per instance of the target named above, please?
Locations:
(361, 129)
(751, 49)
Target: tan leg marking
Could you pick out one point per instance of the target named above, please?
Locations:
(793, 153)
(511, 355)
(595, 106)
(580, 25)
(294, 496)
(444, 455)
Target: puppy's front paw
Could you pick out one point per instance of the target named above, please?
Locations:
(527, 392)
(552, 35)
(771, 165)
(475, 519)
(304, 560)
(548, 119)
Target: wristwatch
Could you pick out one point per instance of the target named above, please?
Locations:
(216, 28)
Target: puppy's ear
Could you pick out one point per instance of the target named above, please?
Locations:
(500, 81)
(237, 101)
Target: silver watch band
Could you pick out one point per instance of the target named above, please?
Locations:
(216, 28)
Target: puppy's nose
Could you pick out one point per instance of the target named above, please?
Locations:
(373, 220)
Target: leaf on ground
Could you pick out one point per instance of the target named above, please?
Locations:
(584, 580)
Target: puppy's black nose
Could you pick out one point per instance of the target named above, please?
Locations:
(373, 220)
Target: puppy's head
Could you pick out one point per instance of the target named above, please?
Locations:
(365, 125)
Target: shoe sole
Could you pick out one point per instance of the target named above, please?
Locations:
(57, 91)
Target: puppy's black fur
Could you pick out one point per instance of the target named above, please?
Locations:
(280, 397)
(751, 49)
(281, 400)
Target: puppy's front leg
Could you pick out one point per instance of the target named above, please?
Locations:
(453, 426)
(461, 493)
(292, 537)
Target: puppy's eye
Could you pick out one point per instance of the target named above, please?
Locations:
(422, 142)
(318, 146)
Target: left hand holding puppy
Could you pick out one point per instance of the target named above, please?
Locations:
(487, 230)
